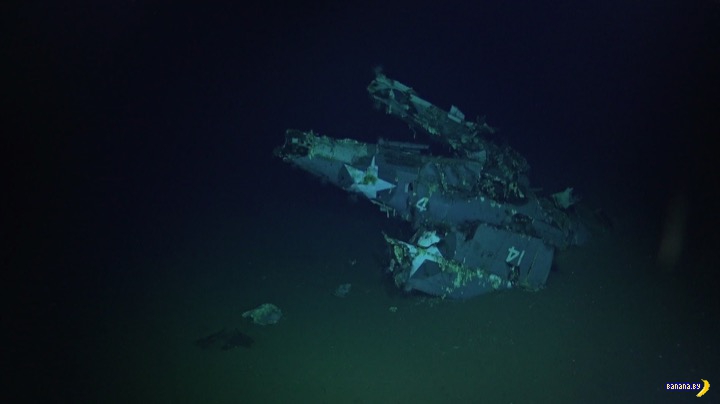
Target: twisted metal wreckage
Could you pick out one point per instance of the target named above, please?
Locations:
(479, 226)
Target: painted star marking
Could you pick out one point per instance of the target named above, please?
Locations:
(367, 182)
(421, 254)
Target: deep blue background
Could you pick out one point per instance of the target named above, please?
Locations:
(123, 120)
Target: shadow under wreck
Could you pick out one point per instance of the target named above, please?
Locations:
(226, 340)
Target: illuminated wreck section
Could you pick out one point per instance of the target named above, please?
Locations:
(479, 227)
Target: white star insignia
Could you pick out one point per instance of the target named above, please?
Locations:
(367, 182)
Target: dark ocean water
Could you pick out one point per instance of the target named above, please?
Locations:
(146, 210)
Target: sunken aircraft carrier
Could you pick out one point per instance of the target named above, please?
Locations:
(479, 226)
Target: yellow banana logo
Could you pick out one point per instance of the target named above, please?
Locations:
(704, 389)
